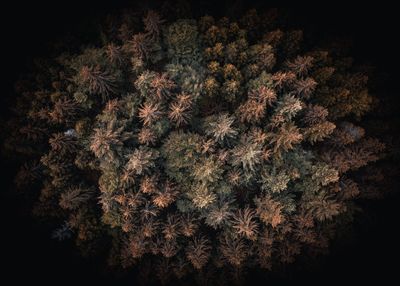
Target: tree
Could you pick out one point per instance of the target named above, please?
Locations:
(220, 127)
(269, 210)
(149, 113)
(247, 154)
(244, 223)
(141, 160)
(198, 252)
(97, 81)
(107, 142)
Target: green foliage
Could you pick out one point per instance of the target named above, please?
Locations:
(182, 43)
(274, 181)
(247, 154)
(181, 150)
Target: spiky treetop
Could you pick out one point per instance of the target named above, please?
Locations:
(207, 143)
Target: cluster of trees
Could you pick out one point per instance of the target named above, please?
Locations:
(196, 144)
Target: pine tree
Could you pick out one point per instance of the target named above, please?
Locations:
(198, 252)
(244, 223)
(97, 81)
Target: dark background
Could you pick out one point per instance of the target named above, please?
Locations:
(28, 253)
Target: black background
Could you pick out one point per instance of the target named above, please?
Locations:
(28, 253)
